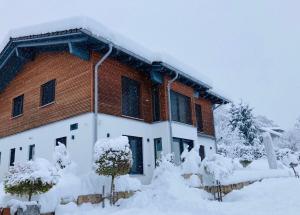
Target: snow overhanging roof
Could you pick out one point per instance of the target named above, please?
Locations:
(24, 45)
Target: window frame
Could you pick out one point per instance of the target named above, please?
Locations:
(199, 117)
(126, 111)
(139, 171)
(42, 93)
(155, 95)
(177, 108)
(31, 152)
(10, 157)
(64, 142)
(14, 102)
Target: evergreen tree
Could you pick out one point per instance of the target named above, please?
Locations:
(243, 121)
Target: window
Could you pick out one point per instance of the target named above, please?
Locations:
(202, 152)
(178, 147)
(130, 97)
(61, 140)
(17, 108)
(157, 150)
(199, 121)
(31, 152)
(136, 146)
(181, 108)
(48, 92)
(74, 126)
(0, 157)
(12, 157)
(155, 103)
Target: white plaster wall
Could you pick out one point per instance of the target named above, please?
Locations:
(81, 148)
(44, 139)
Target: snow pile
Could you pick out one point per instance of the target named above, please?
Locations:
(30, 171)
(287, 156)
(14, 204)
(191, 161)
(110, 146)
(217, 166)
(61, 156)
(126, 183)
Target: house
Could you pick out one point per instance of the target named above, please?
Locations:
(49, 92)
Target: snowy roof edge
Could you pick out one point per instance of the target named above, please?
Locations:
(101, 32)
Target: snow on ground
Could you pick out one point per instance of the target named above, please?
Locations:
(170, 194)
(270, 197)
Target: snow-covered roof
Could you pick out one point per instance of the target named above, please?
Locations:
(106, 35)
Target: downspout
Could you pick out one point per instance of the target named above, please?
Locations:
(170, 108)
(96, 92)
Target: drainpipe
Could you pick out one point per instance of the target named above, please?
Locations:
(96, 92)
(170, 108)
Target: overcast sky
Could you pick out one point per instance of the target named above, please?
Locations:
(249, 49)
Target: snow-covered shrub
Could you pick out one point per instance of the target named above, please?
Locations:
(191, 161)
(287, 156)
(217, 166)
(30, 178)
(61, 156)
(112, 158)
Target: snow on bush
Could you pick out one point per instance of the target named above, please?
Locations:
(30, 178)
(61, 156)
(287, 156)
(217, 166)
(14, 204)
(191, 161)
(112, 158)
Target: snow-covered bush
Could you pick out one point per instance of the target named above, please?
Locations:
(217, 166)
(287, 156)
(30, 178)
(191, 161)
(112, 158)
(61, 156)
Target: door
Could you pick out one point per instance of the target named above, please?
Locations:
(178, 146)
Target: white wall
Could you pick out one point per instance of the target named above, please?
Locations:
(81, 147)
(44, 139)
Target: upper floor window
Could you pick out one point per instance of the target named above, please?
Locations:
(48, 92)
(181, 108)
(17, 108)
(155, 103)
(199, 121)
(130, 97)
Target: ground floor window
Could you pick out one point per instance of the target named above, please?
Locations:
(12, 156)
(61, 140)
(31, 152)
(178, 147)
(157, 150)
(202, 152)
(136, 146)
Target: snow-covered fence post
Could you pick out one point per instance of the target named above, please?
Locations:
(113, 158)
(268, 143)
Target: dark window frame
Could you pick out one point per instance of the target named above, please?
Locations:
(199, 118)
(62, 140)
(140, 168)
(181, 108)
(155, 103)
(17, 106)
(12, 157)
(157, 142)
(131, 105)
(48, 97)
(31, 152)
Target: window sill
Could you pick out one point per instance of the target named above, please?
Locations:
(130, 117)
(182, 123)
(46, 105)
(15, 117)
